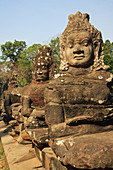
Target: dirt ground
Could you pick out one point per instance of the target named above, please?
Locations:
(3, 161)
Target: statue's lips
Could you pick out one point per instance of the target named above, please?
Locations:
(79, 57)
(41, 77)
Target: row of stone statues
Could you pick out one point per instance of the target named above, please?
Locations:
(73, 113)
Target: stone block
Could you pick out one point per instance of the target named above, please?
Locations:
(94, 151)
(50, 161)
(39, 136)
(61, 129)
(54, 113)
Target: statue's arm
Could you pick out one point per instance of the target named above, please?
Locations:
(53, 106)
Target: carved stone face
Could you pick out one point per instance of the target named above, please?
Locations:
(42, 74)
(79, 49)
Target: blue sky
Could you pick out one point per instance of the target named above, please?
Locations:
(37, 21)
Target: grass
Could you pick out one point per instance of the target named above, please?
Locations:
(3, 161)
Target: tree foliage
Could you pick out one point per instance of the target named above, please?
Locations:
(108, 48)
(30, 52)
(54, 44)
(12, 51)
(24, 72)
(15, 56)
(108, 54)
(25, 64)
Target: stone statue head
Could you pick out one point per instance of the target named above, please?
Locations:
(81, 44)
(42, 64)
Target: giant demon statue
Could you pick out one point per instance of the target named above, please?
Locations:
(79, 101)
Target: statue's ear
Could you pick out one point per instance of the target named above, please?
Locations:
(98, 46)
(99, 52)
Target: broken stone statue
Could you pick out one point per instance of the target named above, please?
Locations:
(8, 99)
(79, 110)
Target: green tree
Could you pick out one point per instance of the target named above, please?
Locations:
(54, 44)
(3, 73)
(108, 54)
(30, 52)
(25, 64)
(15, 56)
(12, 51)
(108, 48)
(24, 72)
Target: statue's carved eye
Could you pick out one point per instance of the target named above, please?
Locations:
(85, 42)
(71, 44)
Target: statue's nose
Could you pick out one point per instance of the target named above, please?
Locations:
(77, 47)
(39, 72)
